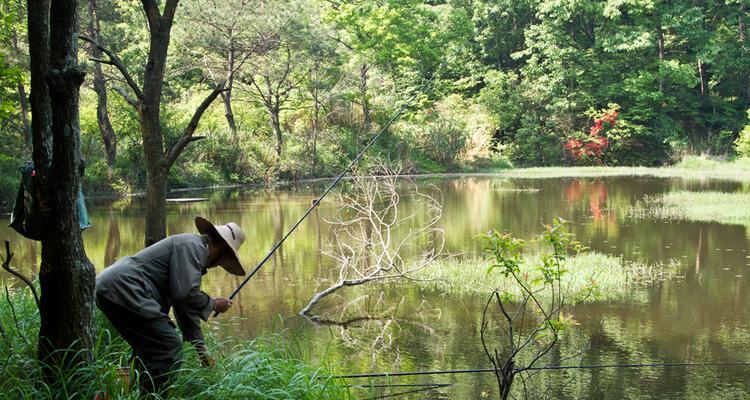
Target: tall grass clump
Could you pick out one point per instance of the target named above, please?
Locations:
(612, 278)
(721, 207)
(267, 368)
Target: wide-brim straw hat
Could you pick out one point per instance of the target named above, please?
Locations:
(233, 236)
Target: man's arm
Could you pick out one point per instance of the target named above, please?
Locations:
(190, 326)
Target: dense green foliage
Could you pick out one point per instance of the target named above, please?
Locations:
(313, 80)
(269, 368)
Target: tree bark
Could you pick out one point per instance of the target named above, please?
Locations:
(150, 116)
(315, 126)
(22, 100)
(660, 41)
(24, 115)
(274, 113)
(102, 114)
(366, 120)
(227, 96)
(703, 74)
(66, 276)
(156, 198)
(743, 35)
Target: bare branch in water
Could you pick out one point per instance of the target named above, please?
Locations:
(371, 235)
(17, 274)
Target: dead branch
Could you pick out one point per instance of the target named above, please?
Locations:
(17, 274)
(369, 238)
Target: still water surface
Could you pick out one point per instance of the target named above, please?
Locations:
(701, 315)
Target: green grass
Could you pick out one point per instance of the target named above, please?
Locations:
(692, 167)
(613, 278)
(721, 207)
(266, 368)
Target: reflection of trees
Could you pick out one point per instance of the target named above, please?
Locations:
(112, 250)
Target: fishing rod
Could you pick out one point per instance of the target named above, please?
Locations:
(549, 367)
(336, 180)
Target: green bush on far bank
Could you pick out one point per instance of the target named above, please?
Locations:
(266, 368)
(611, 277)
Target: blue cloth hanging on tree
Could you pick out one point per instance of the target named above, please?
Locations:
(25, 217)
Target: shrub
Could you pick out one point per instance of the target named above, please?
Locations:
(742, 143)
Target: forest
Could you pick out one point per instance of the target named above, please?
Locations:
(524, 199)
(303, 84)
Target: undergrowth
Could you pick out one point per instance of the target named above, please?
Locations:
(265, 368)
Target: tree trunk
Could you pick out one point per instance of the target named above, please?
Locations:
(363, 73)
(66, 276)
(102, 114)
(660, 41)
(315, 124)
(156, 198)
(703, 74)
(24, 115)
(22, 100)
(276, 127)
(745, 80)
(227, 95)
(153, 146)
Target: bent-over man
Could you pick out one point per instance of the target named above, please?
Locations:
(136, 293)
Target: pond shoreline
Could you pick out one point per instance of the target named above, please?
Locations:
(723, 171)
(728, 171)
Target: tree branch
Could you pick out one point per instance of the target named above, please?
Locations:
(152, 13)
(124, 93)
(114, 60)
(187, 135)
(27, 281)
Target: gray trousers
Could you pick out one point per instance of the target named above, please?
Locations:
(157, 347)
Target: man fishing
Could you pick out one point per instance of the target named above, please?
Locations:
(136, 293)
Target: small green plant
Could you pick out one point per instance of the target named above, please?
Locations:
(742, 143)
(529, 325)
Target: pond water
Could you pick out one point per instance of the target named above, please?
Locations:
(699, 315)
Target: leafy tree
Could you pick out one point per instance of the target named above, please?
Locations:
(147, 101)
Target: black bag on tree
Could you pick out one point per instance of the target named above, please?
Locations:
(25, 216)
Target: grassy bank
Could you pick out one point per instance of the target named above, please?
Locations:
(692, 167)
(721, 207)
(268, 368)
(612, 277)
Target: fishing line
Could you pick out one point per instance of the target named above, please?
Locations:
(337, 179)
(549, 367)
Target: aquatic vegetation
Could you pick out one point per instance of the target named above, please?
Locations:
(266, 368)
(691, 168)
(721, 207)
(612, 277)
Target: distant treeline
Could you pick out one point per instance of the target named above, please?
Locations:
(525, 82)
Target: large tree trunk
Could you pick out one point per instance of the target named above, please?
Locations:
(66, 276)
(102, 114)
(153, 146)
(156, 198)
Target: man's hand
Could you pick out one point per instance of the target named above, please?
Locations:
(221, 305)
(205, 356)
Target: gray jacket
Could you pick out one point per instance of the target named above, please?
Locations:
(165, 274)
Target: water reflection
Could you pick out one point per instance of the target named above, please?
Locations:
(702, 316)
